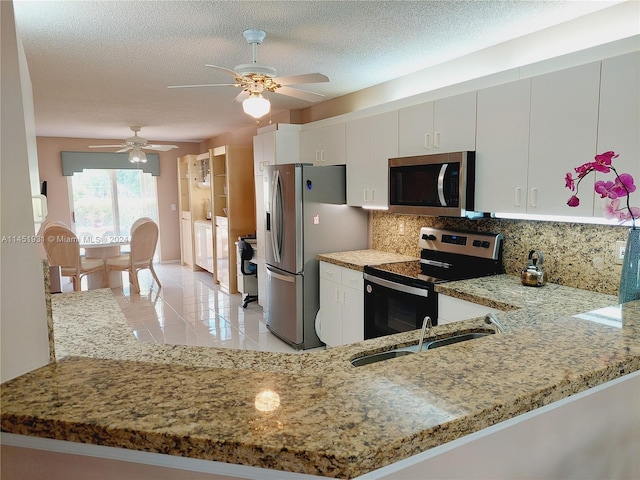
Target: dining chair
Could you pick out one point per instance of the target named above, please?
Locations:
(140, 221)
(144, 238)
(63, 250)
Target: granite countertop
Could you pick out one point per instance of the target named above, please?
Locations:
(314, 412)
(358, 259)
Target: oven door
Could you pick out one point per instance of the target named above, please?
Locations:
(391, 307)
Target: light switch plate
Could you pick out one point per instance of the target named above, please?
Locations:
(619, 251)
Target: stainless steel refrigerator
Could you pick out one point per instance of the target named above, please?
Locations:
(306, 214)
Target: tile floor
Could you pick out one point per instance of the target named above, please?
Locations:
(190, 309)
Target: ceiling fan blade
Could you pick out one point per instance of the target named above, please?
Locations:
(125, 149)
(225, 70)
(160, 148)
(241, 96)
(301, 94)
(205, 85)
(105, 146)
(298, 79)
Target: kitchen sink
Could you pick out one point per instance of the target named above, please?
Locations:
(401, 352)
(378, 357)
(454, 339)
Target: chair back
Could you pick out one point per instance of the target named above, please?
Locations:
(54, 223)
(62, 247)
(138, 222)
(143, 242)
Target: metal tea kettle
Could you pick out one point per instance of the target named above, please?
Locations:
(533, 275)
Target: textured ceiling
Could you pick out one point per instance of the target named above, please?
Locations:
(98, 67)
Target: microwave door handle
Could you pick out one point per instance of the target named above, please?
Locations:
(443, 170)
(276, 217)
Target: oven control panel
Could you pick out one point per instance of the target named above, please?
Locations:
(483, 245)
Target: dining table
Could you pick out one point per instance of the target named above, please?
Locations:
(104, 247)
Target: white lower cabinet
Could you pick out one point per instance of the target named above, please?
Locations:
(341, 305)
(204, 244)
(452, 309)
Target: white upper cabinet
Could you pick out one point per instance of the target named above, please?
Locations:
(277, 145)
(324, 145)
(445, 125)
(563, 134)
(502, 150)
(370, 142)
(619, 122)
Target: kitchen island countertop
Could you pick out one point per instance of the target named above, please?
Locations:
(324, 416)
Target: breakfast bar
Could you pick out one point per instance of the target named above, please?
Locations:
(314, 413)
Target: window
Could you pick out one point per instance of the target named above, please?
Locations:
(107, 201)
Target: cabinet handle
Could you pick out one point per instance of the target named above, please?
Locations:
(337, 295)
(426, 141)
(366, 195)
(518, 192)
(534, 197)
(373, 195)
(322, 155)
(436, 140)
(344, 297)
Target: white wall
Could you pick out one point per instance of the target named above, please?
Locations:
(23, 319)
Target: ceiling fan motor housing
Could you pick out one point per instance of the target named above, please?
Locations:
(248, 69)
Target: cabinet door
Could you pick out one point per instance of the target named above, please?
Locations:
(187, 242)
(563, 134)
(352, 306)
(384, 145)
(502, 152)
(370, 143)
(358, 159)
(222, 256)
(619, 121)
(286, 146)
(330, 306)
(454, 123)
(415, 130)
(452, 309)
(324, 146)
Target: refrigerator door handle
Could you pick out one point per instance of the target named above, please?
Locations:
(284, 278)
(276, 217)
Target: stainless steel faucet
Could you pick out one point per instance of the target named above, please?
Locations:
(426, 324)
(491, 319)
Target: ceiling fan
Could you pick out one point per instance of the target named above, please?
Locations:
(255, 78)
(135, 146)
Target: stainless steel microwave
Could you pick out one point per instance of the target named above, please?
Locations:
(433, 185)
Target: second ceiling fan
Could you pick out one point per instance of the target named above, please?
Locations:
(255, 78)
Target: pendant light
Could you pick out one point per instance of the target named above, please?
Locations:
(256, 105)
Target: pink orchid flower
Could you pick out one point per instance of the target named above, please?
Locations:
(569, 182)
(623, 185)
(604, 189)
(573, 201)
(611, 209)
(603, 162)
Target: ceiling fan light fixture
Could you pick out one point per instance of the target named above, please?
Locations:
(256, 105)
(137, 156)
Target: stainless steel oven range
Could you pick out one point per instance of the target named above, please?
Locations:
(399, 295)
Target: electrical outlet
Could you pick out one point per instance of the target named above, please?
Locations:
(619, 252)
(401, 228)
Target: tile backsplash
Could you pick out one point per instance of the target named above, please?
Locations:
(576, 255)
